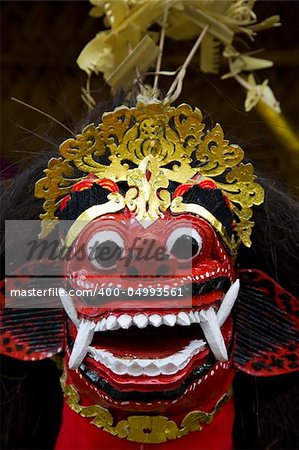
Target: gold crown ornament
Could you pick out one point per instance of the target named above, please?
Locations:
(148, 146)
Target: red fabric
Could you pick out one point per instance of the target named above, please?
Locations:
(77, 433)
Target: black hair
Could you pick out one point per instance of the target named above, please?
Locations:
(214, 201)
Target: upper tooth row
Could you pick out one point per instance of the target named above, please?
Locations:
(182, 280)
(141, 320)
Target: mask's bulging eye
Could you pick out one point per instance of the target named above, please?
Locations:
(184, 243)
(105, 248)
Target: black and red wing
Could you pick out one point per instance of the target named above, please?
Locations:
(266, 327)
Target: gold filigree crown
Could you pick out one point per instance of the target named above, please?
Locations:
(148, 146)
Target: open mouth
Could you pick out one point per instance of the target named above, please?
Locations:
(158, 353)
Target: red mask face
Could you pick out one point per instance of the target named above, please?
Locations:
(155, 338)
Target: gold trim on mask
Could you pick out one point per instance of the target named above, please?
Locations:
(177, 206)
(115, 204)
(140, 428)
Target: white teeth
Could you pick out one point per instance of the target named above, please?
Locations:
(69, 306)
(125, 321)
(120, 369)
(140, 320)
(112, 323)
(169, 369)
(213, 335)
(192, 317)
(101, 325)
(83, 339)
(183, 319)
(135, 370)
(155, 320)
(228, 303)
(196, 316)
(169, 319)
(150, 367)
(151, 370)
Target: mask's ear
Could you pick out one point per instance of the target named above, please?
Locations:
(30, 333)
(266, 333)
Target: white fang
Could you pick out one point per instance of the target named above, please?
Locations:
(213, 335)
(83, 339)
(228, 303)
(69, 306)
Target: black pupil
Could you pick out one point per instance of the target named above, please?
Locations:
(108, 253)
(185, 247)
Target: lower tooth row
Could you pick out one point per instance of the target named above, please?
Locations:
(150, 367)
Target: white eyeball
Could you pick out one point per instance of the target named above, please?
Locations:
(184, 243)
(105, 249)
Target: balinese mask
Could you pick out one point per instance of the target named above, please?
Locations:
(156, 206)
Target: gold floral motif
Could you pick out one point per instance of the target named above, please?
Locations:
(149, 146)
(215, 155)
(141, 428)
